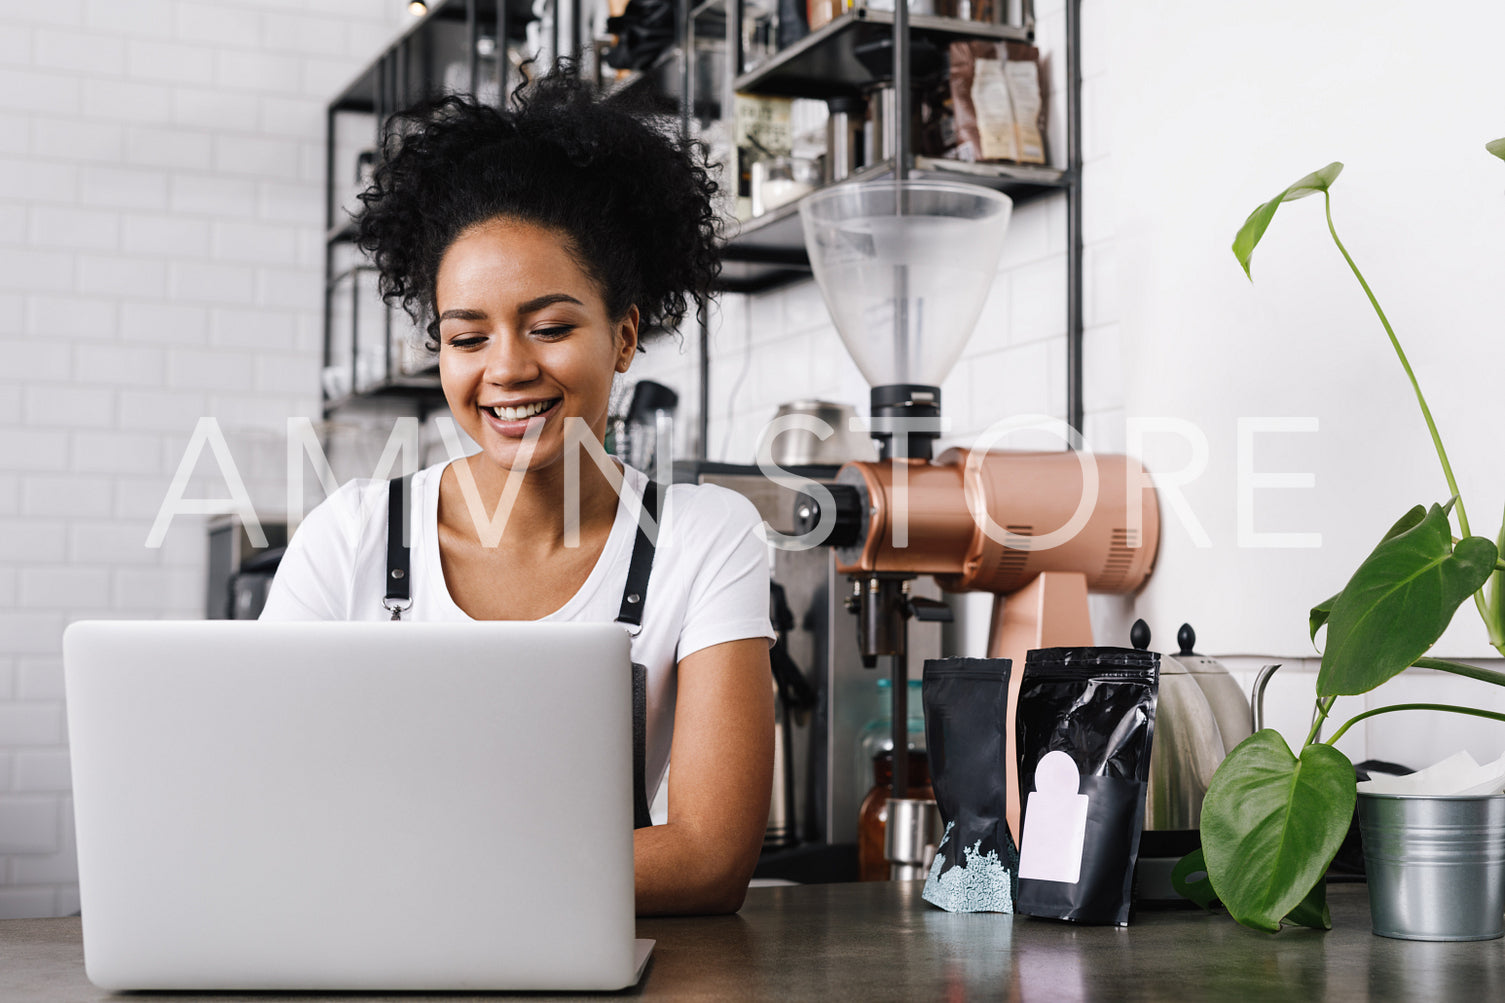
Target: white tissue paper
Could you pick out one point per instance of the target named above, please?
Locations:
(1456, 775)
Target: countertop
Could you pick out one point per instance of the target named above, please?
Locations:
(881, 941)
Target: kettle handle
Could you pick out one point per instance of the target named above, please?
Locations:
(1257, 705)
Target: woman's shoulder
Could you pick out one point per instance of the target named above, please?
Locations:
(714, 502)
(691, 507)
(359, 506)
(350, 506)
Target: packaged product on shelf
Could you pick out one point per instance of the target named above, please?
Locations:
(761, 131)
(820, 13)
(996, 98)
(1025, 80)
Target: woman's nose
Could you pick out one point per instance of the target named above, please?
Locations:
(510, 361)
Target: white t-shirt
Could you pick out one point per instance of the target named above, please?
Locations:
(709, 582)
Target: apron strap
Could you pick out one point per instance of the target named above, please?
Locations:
(399, 597)
(631, 615)
(641, 566)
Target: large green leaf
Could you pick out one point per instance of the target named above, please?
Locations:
(1497, 147)
(1259, 220)
(1324, 609)
(1398, 603)
(1271, 824)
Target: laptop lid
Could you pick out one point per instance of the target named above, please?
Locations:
(394, 806)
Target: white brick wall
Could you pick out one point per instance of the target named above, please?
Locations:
(161, 219)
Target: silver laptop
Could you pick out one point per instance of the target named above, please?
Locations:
(363, 806)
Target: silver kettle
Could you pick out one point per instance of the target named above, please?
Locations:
(1201, 714)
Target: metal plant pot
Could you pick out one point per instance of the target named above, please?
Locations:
(1435, 865)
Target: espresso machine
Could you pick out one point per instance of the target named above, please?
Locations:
(904, 267)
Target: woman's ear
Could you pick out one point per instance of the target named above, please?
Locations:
(627, 338)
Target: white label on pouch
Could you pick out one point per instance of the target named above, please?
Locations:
(1055, 822)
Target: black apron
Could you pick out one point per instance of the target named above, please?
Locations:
(399, 599)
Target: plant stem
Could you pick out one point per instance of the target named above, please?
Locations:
(1426, 412)
(1474, 711)
(1324, 704)
(1462, 669)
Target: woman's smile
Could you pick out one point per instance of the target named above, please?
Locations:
(513, 421)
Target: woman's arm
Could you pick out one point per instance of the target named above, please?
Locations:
(720, 779)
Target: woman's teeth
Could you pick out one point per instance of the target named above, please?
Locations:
(519, 413)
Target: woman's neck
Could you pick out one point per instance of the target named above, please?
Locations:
(531, 510)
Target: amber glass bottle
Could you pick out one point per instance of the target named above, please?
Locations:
(873, 816)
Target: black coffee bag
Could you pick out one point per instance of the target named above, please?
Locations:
(966, 705)
(1085, 723)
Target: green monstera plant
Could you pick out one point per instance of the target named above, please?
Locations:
(1273, 819)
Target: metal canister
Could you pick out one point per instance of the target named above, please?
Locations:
(910, 837)
(881, 135)
(1435, 865)
(845, 129)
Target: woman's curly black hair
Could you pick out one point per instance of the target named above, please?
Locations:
(632, 198)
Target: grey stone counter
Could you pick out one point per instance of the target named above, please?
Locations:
(882, 942)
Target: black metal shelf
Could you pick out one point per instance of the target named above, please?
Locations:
(364, 92)
(768, 251)
(824, 63)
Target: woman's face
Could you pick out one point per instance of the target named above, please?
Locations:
(525, 340)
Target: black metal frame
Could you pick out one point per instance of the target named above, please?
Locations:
(767, 252)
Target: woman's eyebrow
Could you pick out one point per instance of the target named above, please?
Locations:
(463, 314)
(530, 306)
(548, 299)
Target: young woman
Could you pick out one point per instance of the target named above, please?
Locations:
(538, 245)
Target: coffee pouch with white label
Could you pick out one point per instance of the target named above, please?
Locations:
(966, 706)
(1085, 723)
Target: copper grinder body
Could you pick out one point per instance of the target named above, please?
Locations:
(993, 521)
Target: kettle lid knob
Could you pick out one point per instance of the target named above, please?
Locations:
(1139, 635)
(1187, 638)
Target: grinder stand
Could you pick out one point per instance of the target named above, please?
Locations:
(1051, 611)
(883, 605)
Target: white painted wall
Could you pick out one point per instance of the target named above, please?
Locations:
(161, 227)
(1213, 109)
(1217, 108)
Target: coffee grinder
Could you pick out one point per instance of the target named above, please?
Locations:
(904, 266)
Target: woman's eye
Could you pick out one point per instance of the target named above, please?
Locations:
(465, 341)
(557, 331)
